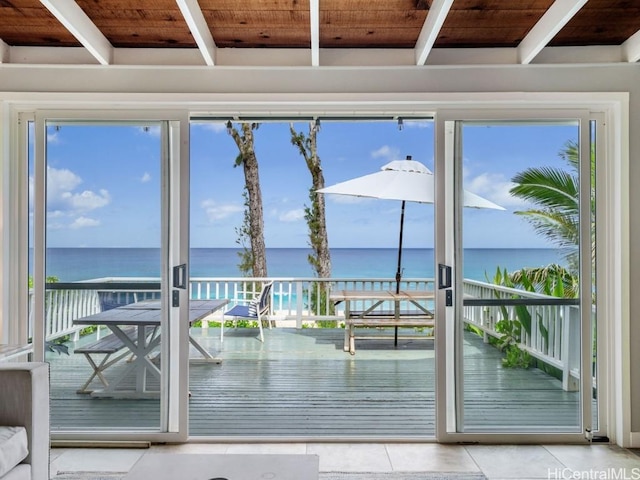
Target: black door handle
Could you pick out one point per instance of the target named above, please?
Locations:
(180, 276)
(444, 276)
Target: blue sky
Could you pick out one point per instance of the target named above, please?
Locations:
(104, 184)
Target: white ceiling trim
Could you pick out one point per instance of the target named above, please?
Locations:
(432, 25)
(80, 25)
(547, 27)
(194, 17)
(631, 48)
(314, 20)
(4, 52)
(297, 57)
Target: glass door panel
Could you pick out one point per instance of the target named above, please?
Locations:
(103, 307)
(520, 330)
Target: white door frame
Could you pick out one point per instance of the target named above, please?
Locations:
(613, 234)
(448, 361)
(175, 251)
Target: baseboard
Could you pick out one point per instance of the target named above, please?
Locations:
(634, 438)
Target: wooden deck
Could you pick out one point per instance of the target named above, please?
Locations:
(300, 383)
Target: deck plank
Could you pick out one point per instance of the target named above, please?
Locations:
(299, 383)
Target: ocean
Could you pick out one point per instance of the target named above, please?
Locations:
(75, 264)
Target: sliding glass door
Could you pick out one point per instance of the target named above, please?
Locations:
(105, 240)
(516, 292)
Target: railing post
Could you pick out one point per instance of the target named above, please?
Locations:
(299, 303)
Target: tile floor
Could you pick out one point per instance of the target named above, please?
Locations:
(551, 462)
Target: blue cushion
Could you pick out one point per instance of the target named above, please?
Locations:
(239, 311)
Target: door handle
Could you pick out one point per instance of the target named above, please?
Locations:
(180, 276)
(444, 276)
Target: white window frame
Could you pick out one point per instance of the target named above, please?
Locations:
(613, 185)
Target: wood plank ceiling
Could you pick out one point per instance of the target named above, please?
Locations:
(211, 26)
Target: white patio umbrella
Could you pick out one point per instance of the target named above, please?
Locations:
(405, 180)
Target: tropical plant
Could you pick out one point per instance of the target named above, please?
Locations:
(510, 328)
(307, 145)
(555, 192)
(243, 236)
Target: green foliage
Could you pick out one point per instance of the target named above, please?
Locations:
(515, 357)
(511, 329)
(555, 192)
(243, 239)
(49, 279)
(553, 280)
(473, 329)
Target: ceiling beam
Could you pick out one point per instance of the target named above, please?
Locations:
(199, 29)
(80, 25)
(631, 48)
(547, 27)
(432, 25)
(4, 52)
(314, 20)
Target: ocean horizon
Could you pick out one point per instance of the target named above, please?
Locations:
(76, 264)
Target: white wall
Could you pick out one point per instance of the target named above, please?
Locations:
(291, 90)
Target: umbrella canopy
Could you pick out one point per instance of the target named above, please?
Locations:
(405, 180)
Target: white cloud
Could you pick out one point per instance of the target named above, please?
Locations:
(83, 222)
(52, 137)
(216, 211)
(390, 153)
(61, 184)
(291, 215)
(87, 200)
(216, 127)
(61, 180)
(494, 187)
(417, 123)
(146, 177)
(63, 201)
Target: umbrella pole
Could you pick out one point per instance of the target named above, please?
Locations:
(399, 271)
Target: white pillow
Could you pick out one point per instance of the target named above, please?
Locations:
(253, 308)
(13, 448)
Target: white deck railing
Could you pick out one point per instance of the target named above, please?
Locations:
(554, 336)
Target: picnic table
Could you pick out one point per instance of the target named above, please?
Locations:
(136, 329)
(370, 308)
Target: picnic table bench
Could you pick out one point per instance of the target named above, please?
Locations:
(107, 346)
(372, 315)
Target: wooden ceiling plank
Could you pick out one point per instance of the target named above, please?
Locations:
(314, 17)
(631, 48)
(432, 25)
(199, 29)
(291, 5)
(78, 23)
(547, 27)
(392, 18)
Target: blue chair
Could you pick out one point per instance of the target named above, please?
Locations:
(256, 309)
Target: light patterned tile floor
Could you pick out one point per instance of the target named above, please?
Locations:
(497, 462)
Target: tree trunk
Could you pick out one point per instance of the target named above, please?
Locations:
(245, 143)
(315, 215)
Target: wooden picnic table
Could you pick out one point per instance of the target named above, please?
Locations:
(145, 316)
(374, 314)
